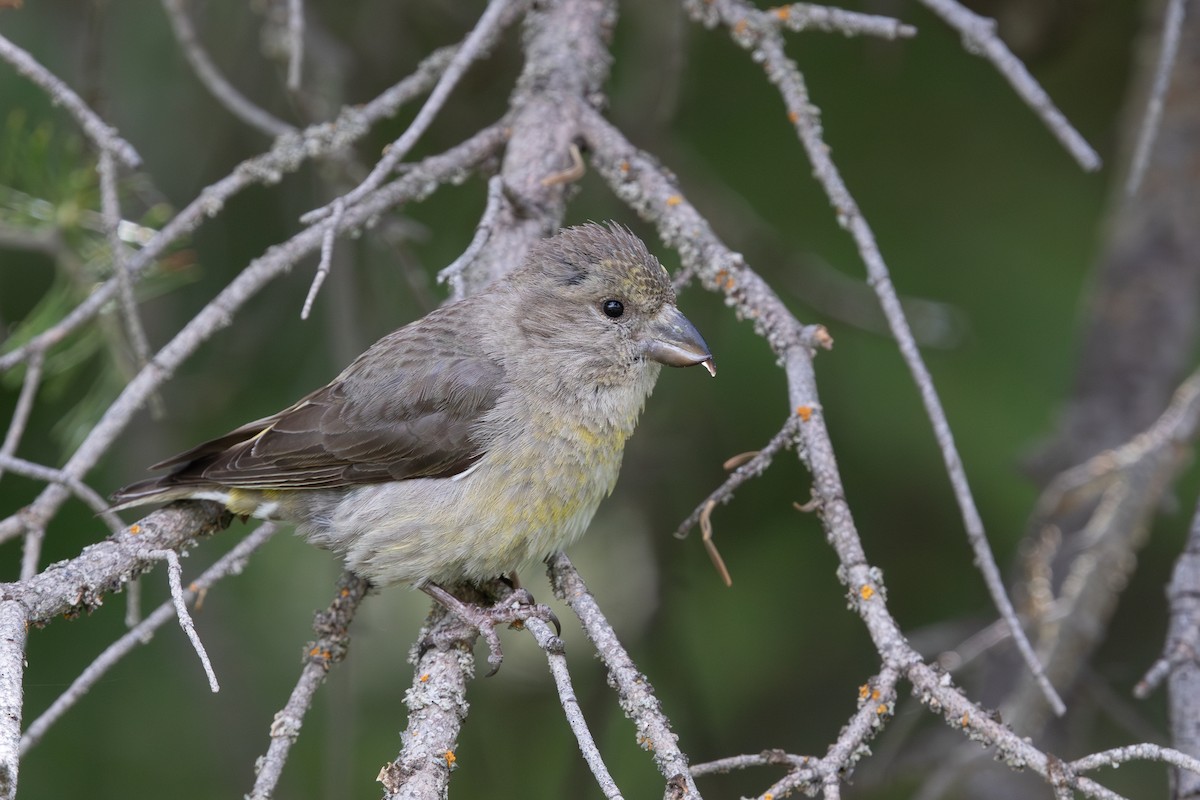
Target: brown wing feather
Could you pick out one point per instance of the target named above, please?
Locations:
(407, 408)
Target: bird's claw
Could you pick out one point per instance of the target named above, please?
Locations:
(514, 610)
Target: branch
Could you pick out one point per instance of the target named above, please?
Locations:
(634, 691)
(979, 38)
(212, 79)
(231, 563)
(749, 30)
(332, 627)
(421, 180)
(14, 625)
(103, 135)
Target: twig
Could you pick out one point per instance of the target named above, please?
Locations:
(417, 183)
(326, 262)
(287, 154)
(110, 206)
(979, 38)
(101, 133)
(231, 563)
(1136, 752)
(754, 467)
(90, 497)
(453, 274)
(295, 28)
(748, 32)
(212, 79)
(20, 417)
(175, 578)
(497, 15)
(634, 691)
(809, 17)
(557, 659)
(332, 627)
(639, 181)
(1168, 51)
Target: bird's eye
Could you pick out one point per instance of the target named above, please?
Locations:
(613, 308)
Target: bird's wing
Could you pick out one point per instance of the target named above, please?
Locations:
(407, 408)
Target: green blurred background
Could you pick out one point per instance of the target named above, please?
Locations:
(981, 216)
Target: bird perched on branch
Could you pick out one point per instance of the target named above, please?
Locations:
(472, 441)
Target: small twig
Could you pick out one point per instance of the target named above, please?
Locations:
(453, 273)
(572, 173)
(751, 468)
(979, 38)
(110, 205)
(229, 564)
(706, 536)
(326, 262)
(212, 79)
(634, 691)
(1168, 51)
(90, 497)
(827, 19)
(295, 28)
(332, 627)
(495, 17)
(20, 417)
(1136, 752)
(175, 578)
(287, 154)
(557, 660)
(100, 132)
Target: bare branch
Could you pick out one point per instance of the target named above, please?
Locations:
(453, 274)
(326, 262)
(101, 133)
(437, 708)
(979, 38)
(295, 28)
(1167, 53)
(111, 210)
(287, 154)
(332, 627)
(175, 578)
(752, 468)
(749, 31)
(212, 79)
(498, 15)
(557, 659)
(14, 625)
(827, 19)
(1136, 752)
(418, 182)
(634, 691)
(231, 563)
(20, 417)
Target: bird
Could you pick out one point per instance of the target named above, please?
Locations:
(471, 442)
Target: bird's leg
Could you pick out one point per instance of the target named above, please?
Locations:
(512, 610)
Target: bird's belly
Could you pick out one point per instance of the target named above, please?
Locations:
(512, 509)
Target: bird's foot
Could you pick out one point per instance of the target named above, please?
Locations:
(513, 611)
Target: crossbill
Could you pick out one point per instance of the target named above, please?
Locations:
(472, 441)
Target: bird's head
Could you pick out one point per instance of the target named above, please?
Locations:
(596, 298)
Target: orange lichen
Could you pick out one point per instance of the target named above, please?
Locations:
(135, 529)
(804, 413)
(793, 117)
(450, 758)
(739, 27)
(624, 166)
(424, 678)
(966, 720)
(783, 12)
(674, 200)
(866, 592)
(864, 691)
(881, 709)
